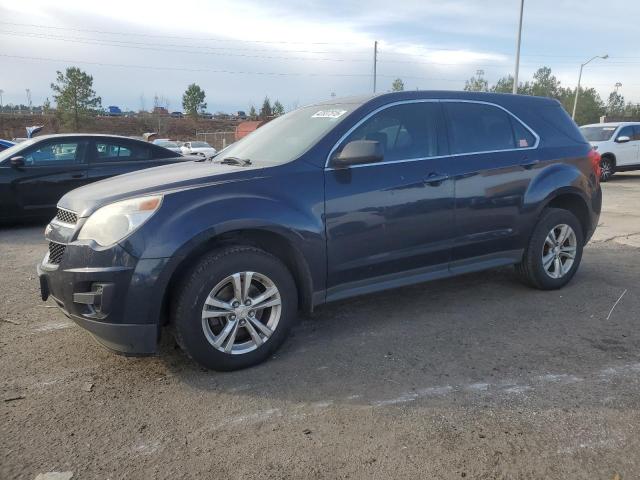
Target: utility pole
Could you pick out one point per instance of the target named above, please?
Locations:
(375, 64)
(617, 86)
(517, 70)
(575, 100)
(28, 98)
(1, 92)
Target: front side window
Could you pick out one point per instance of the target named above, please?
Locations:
(476, 127)
(626, 132)
(636, 132)
(53, 154)
(406, 131)
(114, 152)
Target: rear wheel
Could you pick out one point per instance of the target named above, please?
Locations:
(607, 168)
(234, 308)
(554, 251)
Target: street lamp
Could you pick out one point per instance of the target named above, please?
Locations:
(575, 101)
(517, 69)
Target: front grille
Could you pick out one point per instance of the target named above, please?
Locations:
(56, 250)
(66, 216)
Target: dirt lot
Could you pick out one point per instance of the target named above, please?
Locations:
(476, 377)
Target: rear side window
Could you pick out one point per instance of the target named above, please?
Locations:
(406, 131)
(636, 132)
(476, 127)
(121, 152)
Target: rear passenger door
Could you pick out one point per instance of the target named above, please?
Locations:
(110, 157)
(493, 161)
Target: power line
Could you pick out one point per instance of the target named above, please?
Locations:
(137, 34)
(160, 49)
(128, 42)
(182, 69)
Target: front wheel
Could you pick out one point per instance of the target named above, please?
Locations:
(554, 252)
(234, 308)
(607, 169)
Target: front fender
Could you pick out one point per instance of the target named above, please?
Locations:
(190, 219)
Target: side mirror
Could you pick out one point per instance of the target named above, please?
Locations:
(623, 139)
(359, 152)
(17, 162)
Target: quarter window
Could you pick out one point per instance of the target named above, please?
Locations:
(476, 127)
(53, 154)
(406, 131)
(111, 151)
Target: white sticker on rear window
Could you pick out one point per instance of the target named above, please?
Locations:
(329, 114)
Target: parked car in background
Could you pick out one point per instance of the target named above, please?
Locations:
(206, 115)
(168, 144)
(34, 174)
(323, 203)
(177, 115)
(114, 111)
(618, 145)
(198, 148)
(4, 144)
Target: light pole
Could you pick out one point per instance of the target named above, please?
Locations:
(617, 86)
(517, 70)
(575, 100)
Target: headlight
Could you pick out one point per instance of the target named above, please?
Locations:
(113, 222)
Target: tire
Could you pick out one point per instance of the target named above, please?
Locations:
(202, 312)
(607, 168)
(535, 269)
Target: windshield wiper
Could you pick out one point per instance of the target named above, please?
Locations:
(236, 161)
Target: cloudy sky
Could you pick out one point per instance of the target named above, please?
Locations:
(303, 51)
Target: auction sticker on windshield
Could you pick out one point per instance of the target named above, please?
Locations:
(329, 114)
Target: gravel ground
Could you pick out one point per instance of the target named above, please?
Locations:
(476, 377)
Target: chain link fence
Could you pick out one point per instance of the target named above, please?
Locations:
(217, 140)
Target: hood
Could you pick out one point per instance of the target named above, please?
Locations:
(87, 199)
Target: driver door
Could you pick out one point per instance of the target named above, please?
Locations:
(51, 169)
(391, 221)
(627, 152)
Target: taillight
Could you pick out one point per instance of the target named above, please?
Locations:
(595, 163)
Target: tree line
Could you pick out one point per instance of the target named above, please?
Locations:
(544, 84)
(75, 98)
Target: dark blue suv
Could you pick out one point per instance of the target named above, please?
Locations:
(329, 201)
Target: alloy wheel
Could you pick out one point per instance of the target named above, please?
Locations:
(241, 312)
(606, 169)
(559, 251)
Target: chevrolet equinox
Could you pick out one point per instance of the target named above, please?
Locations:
(329, 201)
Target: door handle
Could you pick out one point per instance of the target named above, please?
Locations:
(529, 164)
(434, 179)
(77, 175)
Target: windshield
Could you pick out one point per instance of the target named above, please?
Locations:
(289, 136)
(11, 151)
(598, 134)
(200, 145)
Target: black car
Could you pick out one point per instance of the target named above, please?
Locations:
(36, 173)
(327, 202)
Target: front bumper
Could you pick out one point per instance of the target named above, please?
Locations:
(109, 293)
